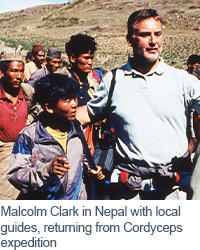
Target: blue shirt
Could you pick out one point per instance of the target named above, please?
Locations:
(149, 112)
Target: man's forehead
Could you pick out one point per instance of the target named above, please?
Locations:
(53, 59)
(41, 52)
(147, 23)
(87, 54)
(16, 64)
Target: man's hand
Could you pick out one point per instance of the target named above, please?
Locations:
(97, 172)
(60, 166)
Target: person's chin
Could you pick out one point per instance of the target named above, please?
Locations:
(152, 58)
(16, 85)
(87, 70)
(72, 117)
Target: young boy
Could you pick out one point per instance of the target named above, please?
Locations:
(47, 160)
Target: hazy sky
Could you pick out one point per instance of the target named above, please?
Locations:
(8, 5)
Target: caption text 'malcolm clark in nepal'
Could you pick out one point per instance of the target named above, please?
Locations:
(98, 211)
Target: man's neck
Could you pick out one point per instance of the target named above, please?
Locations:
(11, 93)
(143, 67)
(48, 68)
(80, 75)
(38, 65)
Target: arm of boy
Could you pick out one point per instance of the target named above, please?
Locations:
(27, 171)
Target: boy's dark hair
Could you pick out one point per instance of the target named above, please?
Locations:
(192, 59)
(54, 87)
(138, 16)
(80, 44)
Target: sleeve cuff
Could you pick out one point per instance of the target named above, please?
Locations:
(46, 170)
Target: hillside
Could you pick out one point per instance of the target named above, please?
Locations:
(52, 25)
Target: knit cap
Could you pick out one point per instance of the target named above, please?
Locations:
(36, 48)
(11, 54)
(54, 53)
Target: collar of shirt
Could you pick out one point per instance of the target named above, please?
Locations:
(73, 77)
(45, 70)
(3, 95)
(159, 70)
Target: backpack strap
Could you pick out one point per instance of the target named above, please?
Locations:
(79, 131)
(112, 86)
(86, 149)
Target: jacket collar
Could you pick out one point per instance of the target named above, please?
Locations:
(43, 137)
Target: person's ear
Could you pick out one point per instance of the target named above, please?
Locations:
(129, 44)
(128, 41)
(72, 58)
(190, 66)
(1, 74)
(48, 109)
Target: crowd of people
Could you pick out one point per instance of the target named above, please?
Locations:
(68, 132)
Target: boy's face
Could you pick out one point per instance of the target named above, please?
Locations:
(66, 109)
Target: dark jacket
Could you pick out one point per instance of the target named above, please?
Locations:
(31, 165)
